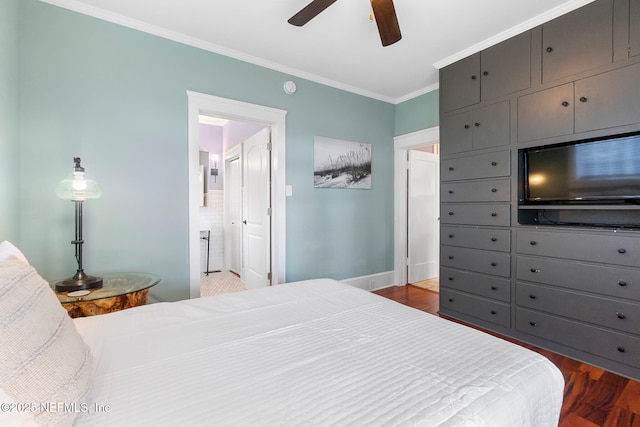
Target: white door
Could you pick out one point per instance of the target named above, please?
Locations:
(256, 205)
(233, 195)
(422, 210)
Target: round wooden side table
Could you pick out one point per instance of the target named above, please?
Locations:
(118, 292)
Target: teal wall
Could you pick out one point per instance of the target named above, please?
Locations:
(421, 112)
(117, 98)
(9, 148)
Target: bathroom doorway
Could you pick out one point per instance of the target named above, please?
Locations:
(266, 117)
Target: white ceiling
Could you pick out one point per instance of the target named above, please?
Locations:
(340, 47)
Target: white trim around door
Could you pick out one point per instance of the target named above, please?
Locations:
(401, 144)
(237, 110)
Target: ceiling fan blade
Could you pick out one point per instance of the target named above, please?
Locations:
(309, 12)
(387, 21)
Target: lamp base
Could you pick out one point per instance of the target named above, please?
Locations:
(80, 281)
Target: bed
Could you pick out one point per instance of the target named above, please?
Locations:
(316, 352)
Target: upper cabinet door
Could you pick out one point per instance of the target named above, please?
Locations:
(634, 28)
(506, 67)
(456, 133)
(499, 70)
(546, 113)
(460, 83)
(491, 126)
(578, 41)
(483, 127)
(608, 99)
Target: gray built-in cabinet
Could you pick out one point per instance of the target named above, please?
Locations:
(574, 290)
(482, 127)
(579, 41)
(634, 28)
(606, 100)
(499, 70)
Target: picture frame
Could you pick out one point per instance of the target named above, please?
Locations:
(342, 164)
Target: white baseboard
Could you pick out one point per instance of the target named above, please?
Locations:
(372, 281)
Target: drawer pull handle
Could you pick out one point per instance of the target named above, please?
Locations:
(476, 124)
(494, 163)
(532, 323)
(565, 104)
(494, 239)
(494, 312)
(486, 73)
(622, 283)
(467, 126)
(549, 49)
(451, 279)
(494, 214)
(450, 191)
(451, 236)
(534, 270)
(450, 256)
(493, 264)
(583, 99)
(451, 168)
(622, 349)
(621, 315)
(532, 296)
(622, 251)
(474, 77)
(494, 288)
(450, 213)
(494, 190)
(450, 299)
(533, 243)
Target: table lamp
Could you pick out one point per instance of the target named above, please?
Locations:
(77, 188)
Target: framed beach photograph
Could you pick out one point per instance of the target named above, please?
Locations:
(342, 164)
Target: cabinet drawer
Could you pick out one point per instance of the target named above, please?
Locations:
(495, 239)
(497, 263)
(491, 165)
(475, 283)
(611, 281)
(605, 248)
(498, 190)
(619, 315)
(617, 346)
(481, 308)
(475, 214)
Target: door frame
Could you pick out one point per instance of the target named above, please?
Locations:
(233, 153)
(243, 111)
(401, 144)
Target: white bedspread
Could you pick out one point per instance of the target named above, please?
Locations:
(313, 353)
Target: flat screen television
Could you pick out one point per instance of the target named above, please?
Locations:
(601, 171)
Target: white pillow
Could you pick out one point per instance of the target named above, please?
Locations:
(42, 356)
(7, 249)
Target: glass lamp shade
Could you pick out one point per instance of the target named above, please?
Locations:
(78, 188)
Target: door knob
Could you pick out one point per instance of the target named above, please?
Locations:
(244, 221)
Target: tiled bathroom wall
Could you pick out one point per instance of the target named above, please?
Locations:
(211, 219)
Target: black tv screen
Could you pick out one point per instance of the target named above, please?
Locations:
(605, 170)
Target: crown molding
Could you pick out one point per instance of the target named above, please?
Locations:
(513, 31)
(416, 93)
(145, 27)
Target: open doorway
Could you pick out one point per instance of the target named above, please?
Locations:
(411, 264)
(274, 120)
(228, 150)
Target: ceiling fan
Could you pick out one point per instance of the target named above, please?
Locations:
(383, 10)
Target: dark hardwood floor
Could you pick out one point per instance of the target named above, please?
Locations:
(592, 396)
